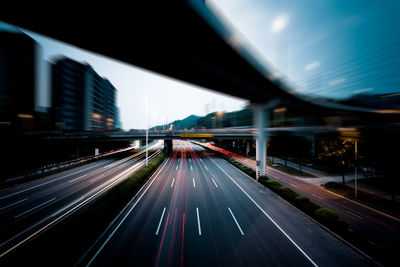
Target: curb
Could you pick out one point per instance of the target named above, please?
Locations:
(121, 213)
(312, 219)
(363, 205)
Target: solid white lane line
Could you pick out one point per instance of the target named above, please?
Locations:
(51, 181)
(198, 220)
(127, 214)
(30, 188)
(159, 224)
(355, 215)
(176, 168)
(233, 216)
(214, 182)
(172, 184)
(68, 210)
(38, 206)
(266, 214)
(194, 183)
(206, 167)
(12, 204)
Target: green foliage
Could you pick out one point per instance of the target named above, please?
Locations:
(326, 215)
(287, 193)
(263, 179)
(301, 199)
(118, 196)
(273, 182)
(332, 149)
(308, 207)
(249, 171)
(242, 117)
(84, 227)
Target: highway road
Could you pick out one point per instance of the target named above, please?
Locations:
(198, 210)
(381, 230)
(29, 209)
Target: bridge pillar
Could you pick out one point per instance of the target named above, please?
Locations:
(168, 146)
(260, 120)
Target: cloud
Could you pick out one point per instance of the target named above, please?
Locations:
(337, 81)
(363, 90)
(312, 66)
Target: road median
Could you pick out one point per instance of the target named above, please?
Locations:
(70, 238)
(326, 217)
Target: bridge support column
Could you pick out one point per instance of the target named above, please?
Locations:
(168, 146)
(260, 120)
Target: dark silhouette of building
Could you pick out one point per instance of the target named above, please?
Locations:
(118, 123)
(81, 99)
(17, 81)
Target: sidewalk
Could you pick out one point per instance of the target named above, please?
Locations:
(373, 190)
(304, 168)
(323, 178)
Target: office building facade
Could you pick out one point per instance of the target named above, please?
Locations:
(17, 80)
(81, 99)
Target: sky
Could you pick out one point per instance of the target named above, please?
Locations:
(170, 99)
(329, 48)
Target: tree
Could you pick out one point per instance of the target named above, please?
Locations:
(278, 146)
(335, 151)
(300, 148)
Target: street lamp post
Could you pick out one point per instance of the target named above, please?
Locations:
(355, 168)
(147, 130)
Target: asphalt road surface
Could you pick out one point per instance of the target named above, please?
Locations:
(29, 209)
(380, 229)
(199, 210)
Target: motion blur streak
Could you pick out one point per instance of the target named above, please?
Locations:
(221, 241)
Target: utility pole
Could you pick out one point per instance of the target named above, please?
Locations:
(147, 130)
(355, 168)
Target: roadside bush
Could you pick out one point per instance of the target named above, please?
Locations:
(240, 165)
(308, 207)
(252, 173)
(327, 216)
(263, 180)
(301, 199)
(274, 185)
(273, 182)
(287, 193)
(83, 227)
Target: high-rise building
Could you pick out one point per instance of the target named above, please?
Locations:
(17, 80)
(118, 123)
(81, 99)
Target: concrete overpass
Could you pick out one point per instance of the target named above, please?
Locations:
(226, 133)
(184, 40)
